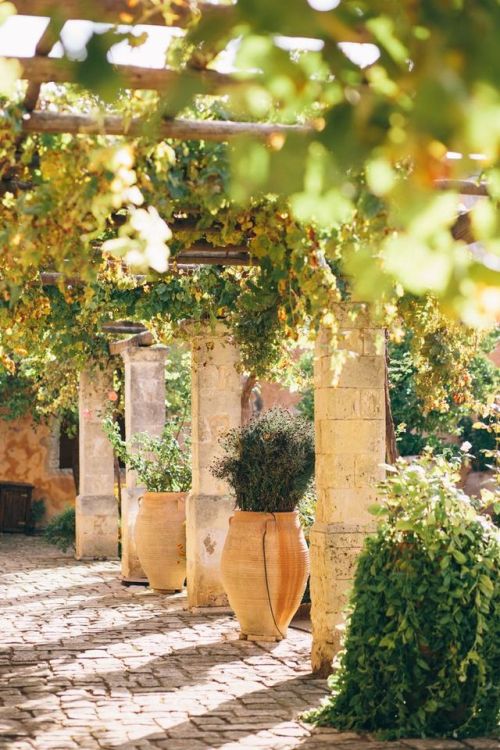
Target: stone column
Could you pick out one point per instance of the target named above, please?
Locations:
(96, 506)
(350, 448)
(216, 408)
(144, 412)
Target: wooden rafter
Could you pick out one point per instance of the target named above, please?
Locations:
(464, 187)
(39, 69)
(209, 130)
(43, 47)
(180, 14)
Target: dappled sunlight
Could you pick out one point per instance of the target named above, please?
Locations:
(106, 665)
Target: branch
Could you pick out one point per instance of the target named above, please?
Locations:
(464, 187)
(208, 130)
(40, 69)
(43, 47)
(179, 14)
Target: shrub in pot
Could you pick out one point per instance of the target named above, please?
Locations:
(268, 463)
(422, 650)
(164, 468)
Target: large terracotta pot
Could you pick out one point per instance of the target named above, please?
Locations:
(264, 567)
(160, 537)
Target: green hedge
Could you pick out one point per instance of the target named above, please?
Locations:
(422, 648)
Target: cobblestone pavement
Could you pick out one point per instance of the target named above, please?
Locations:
(86, 663)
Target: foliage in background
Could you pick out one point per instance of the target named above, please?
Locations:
(422, 648)
(178, 385)
(37, 512)
(490, 426)
(162, 465)
(269, 462)
(307, 510)
(60, 530)
(427, 413)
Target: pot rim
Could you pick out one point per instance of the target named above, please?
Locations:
(254, 513)
(164, 495)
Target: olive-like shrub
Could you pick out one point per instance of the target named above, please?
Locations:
(268, 462)
(162, 465)
(422, 648)
(60, 530)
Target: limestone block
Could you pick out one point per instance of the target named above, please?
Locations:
(351, 341)
(206, 530)
(337, 403)
(373, 341)
(351, 436)
(352, 315)
(362, 372)
(336, 504)
(335, 471)
(96, 527)
(372, 403)
(368, 471)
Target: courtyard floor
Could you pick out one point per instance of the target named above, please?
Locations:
(86, 663)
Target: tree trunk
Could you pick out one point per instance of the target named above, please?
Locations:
(75, 463)
(391, 451)
(246, 394)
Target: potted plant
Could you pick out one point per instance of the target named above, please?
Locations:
(164, 468)
(268, 463)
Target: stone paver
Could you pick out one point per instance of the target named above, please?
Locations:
(86, 663)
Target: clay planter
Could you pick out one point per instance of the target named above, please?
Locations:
(160, 537)
(264, 569)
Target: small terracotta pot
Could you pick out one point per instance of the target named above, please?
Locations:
(160, 537)
(264, 568)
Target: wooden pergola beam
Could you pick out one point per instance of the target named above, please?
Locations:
(208, 130)
(145, 338)
(464, 187)
(39, 69)
(179, 14)
(43, 48)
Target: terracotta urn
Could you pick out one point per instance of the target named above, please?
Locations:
(160, 537)
(264, 569)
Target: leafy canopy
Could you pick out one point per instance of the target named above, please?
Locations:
(365, 174)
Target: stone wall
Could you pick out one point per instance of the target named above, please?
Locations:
(30, 453)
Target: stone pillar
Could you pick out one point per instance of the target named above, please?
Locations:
(96, 506)
(144, 412)
(216, 408)
(350, 448)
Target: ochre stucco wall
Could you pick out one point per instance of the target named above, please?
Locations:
(25, 450)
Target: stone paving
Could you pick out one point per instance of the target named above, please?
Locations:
(86, 663)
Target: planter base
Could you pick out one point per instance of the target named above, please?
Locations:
(263, 638)
(134, 581)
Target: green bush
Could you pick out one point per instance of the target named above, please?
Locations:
(422, 647)
(37, 513)
(160, 462)
(268, 462)
(60, 531)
